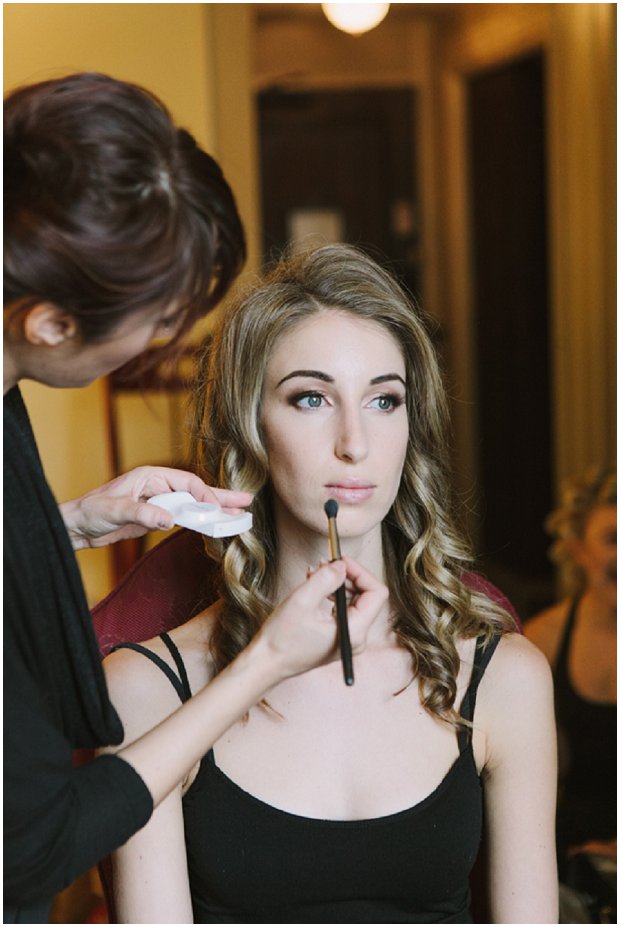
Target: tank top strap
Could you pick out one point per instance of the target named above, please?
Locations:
(180, 665)
(482, 658)
(181, 684)
(561, 660)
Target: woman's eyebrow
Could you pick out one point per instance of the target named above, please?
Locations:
(320, 375)
(313, 374)
(385, 377)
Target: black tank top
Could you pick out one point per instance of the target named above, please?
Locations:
(587, 803)
(250, 863)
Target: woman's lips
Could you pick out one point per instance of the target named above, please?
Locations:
(350, 493)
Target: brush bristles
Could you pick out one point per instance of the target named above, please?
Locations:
(331, 508)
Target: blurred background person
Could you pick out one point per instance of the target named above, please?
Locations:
(578, 637)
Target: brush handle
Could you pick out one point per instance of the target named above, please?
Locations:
(334, 542)
(343, 635)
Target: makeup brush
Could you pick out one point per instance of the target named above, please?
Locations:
(331, 510)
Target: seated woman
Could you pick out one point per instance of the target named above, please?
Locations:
(578, 637)
(329, 803)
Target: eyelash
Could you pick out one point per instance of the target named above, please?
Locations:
(296, 399)
(167, 326)
(395, 401)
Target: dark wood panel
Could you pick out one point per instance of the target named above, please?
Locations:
(351, 151)
(507, 132)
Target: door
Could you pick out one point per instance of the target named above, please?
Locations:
(342, 163)
(511, 313)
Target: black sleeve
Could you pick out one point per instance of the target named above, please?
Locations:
(59, 820)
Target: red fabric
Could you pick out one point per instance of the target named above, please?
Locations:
(479, 584)
(176, 580)
(165, 588)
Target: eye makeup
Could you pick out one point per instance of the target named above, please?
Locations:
(315, 399)
(295, 399)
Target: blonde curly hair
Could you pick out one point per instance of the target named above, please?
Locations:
(579, 496)
(425, 556)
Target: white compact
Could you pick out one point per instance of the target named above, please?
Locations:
(202, 516)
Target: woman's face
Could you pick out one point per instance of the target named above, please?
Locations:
(74, 363)
(596, 552)
(335, 422)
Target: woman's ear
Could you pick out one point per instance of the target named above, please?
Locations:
(48, 325)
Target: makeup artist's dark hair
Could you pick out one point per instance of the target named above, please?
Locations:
(425, 556)
(109, 208)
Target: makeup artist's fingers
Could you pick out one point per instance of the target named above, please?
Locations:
(301, 631)
(311, 570)
(359, 577)
(119, 509)
(371, 597)
(350, 592)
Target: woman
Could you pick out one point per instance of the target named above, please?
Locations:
(578, 637)
(118, 228)
(329, 803)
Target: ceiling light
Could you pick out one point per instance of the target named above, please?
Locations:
(355, 18)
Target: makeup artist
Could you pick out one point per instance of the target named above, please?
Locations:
(334, 803)
(118, 228)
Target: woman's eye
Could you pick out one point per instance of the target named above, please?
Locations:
(168, 327)
(307, 400)
(386, 403)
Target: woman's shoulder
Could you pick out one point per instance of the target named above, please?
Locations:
(517, 676)
(516, 689)
(517, 660)
(140, 690)
(514, 661)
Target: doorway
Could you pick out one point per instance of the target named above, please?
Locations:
(511, 319)
(342, 164)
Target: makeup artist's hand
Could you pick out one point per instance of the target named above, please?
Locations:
(301, 632)
(119, 509)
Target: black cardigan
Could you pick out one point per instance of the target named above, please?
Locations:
(59, 820)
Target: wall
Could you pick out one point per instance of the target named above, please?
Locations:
(582, 124)
(189, 54)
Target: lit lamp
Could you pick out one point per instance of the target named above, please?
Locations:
(355, 18)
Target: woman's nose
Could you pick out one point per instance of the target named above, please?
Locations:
(351, 440)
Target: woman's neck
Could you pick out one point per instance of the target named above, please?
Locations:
(598, 611)
(300, 550)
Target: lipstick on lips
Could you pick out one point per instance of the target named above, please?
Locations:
(350, 491)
